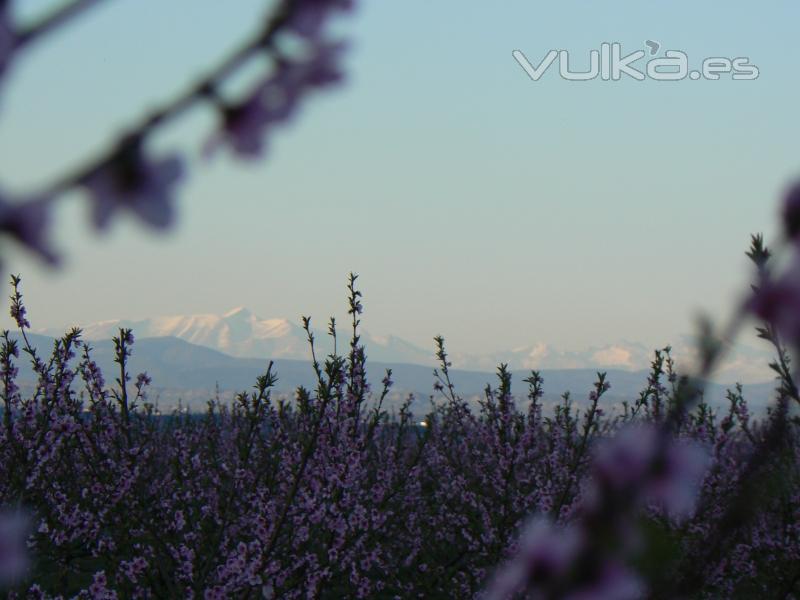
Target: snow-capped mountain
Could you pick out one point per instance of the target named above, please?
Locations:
(742, 363)
(628, 356)
(240, 333)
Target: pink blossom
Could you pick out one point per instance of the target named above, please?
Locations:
(19, 314)
(142, 381)
(98, 590)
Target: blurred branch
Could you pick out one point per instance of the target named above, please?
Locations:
(61, 15)
(204, 88)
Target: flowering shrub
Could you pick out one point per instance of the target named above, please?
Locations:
(331, 496)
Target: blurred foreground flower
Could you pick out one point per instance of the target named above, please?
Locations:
(777, 301)
(791, 212)
(131, 181)
(309, 16)
(637, 462)
(615, 582)
(27, 222)
(246, 125)
(14, 527)
(640, 466)
(546, 553)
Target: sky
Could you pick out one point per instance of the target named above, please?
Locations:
(473, 202)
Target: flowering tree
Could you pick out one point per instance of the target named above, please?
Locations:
(127, 177)
(330, 495)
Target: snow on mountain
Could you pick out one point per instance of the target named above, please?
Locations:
(238, 332)
(743, 363)
(241, 333)
(626, 356)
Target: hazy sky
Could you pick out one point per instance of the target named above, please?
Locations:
(472, 201)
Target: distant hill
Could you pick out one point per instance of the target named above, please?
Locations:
(180, 369)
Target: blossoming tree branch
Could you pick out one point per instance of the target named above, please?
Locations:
(302, 57)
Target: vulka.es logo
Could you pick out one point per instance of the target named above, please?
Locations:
(609, 64)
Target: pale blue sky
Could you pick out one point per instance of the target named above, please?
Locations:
(472, 201)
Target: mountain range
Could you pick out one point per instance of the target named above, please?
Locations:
(242, 334)
(190, 375)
